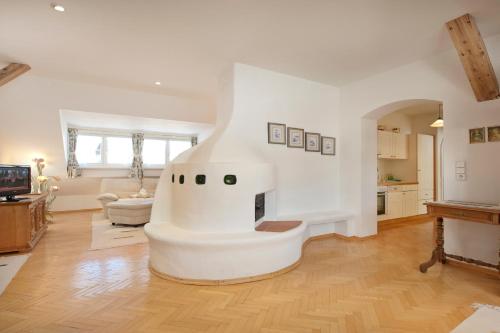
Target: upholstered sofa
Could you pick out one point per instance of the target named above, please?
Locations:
(114, 189)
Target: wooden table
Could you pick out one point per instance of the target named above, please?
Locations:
(470, 212)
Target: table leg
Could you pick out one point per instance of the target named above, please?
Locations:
(438, 253)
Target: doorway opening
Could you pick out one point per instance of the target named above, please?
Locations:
(402, 162)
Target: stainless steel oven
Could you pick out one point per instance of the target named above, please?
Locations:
(381, 202)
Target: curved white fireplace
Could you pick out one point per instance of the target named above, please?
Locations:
(202, 227)
(208, 199)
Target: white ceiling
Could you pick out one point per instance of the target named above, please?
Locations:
(114, 122)
(185, 43)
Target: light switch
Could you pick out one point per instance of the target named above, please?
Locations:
(460, 172)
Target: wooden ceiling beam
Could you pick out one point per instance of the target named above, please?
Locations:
(12, 71)
(474, 56)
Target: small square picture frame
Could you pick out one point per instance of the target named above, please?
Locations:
(328, 145)
(295, 137)
(276, 133)
(312, 142)
(494, 134)
(477, 135)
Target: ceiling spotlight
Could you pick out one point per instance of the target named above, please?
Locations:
(57, 7)
(158, 83)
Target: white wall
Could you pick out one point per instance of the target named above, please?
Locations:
(306, 181)
(31, 127)
(439, 78)
(29, 109)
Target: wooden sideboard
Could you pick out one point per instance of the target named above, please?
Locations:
(22, 223)
(470, 212)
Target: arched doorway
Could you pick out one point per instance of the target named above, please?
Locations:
(369, 176)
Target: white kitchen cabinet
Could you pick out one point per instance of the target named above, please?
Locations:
(395, 204)
(400, 145)
(384, 145)
(425, 170)
(410, 203)
(392, 145)
(402, 201)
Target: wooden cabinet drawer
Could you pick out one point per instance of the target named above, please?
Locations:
(394, 188)
(464, 214)
(412, 187)
(425, 195)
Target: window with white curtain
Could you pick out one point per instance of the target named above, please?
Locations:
(105, 149)
(154, 152)
(177, 147)
(158, 152)
(89, 149)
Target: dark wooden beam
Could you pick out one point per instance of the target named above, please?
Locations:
(472, 52)
(12, 71)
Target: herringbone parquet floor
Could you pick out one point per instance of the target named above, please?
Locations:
(341, 286)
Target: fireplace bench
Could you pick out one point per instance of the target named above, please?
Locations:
(323, 223)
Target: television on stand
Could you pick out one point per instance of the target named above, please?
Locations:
(14, 180)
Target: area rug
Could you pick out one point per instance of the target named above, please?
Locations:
(9, 266)
(105, 235)
(486, 319)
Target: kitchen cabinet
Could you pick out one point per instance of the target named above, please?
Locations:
(425, 171)
(392, 145)
(410, 203)
(402, 201)
(395, 204)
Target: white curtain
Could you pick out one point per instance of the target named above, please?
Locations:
(137, 143)
(73, 167)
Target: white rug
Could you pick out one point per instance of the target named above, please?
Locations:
(105, 235)
(9, 266)
(486, 319)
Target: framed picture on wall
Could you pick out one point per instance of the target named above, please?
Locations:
(313, 141)
(494, 134)
(276, 133)
(477, 135)
(327, 145)
(295, 137)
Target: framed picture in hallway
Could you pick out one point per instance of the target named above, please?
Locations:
(477, 135)
(494, 134)
(327, 145)
(313, 141)
(295, 137)
(276, 133)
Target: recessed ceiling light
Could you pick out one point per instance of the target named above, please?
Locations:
(158, 83)
(57, 7)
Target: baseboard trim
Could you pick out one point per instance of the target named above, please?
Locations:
(403, 221)
(470, 266)
(204, 282)
(87, 210)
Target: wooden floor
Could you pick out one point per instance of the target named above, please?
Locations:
(341, 286)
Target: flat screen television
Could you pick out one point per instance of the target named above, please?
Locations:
(14, 180)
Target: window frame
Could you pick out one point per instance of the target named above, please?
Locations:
(126, 134)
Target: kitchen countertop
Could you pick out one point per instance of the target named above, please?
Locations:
(389, 183)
